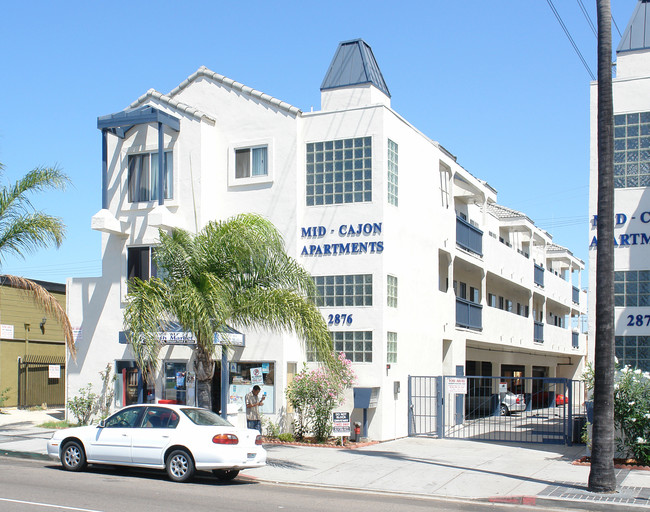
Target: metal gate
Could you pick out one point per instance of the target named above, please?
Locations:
(41, 380)
(516, 409)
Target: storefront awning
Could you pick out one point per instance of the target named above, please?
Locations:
(175, 335)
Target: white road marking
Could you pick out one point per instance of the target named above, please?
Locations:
(49, 505)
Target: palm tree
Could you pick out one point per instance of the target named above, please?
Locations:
(601, 475)
(23, 230)
(232, 273)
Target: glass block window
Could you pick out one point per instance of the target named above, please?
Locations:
(633, 351)
(391, 347)
(632, 150)
(392, 172)
(356, 345)
(339, 171)
(632, 288)
(391, 292)
(346, 290)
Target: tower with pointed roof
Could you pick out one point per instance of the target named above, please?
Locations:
(631, 94)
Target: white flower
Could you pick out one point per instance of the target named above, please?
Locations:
(632, 402)
(638, 371)
(625, 369)
(633, 420)
(640, 440)
(647, 415)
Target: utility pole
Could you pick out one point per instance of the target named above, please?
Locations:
(601, 475)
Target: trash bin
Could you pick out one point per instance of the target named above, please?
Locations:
(579, 423)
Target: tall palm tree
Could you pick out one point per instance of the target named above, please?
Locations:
(23, 229)
(601, 475)
(233, 273)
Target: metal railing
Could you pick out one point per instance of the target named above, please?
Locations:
(41, 380)
(469, 314)
(469, 237)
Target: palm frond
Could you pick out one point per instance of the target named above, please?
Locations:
(48, 303)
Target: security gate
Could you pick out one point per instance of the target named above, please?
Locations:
(41, 380)
(516, 409)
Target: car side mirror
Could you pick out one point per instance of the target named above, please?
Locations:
(101, 424)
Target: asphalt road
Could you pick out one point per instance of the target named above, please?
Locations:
(35, 485)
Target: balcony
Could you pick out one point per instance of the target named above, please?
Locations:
(538, 333)
(469, 314)
(539, 275)
(469, 237)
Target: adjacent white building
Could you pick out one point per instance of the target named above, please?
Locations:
(421, 271)
(631, 93)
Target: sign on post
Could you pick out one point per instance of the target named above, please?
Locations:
(341, 424)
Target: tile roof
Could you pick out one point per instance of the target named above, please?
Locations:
(182, 107)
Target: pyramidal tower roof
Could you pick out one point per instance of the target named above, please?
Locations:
(637, 33)
(354, 64)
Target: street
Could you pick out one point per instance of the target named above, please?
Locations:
(32, 485)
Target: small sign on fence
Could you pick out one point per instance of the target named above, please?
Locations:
(54, 371)
(457, 385)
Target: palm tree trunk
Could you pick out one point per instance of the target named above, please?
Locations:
(204, 367)
(601, 475)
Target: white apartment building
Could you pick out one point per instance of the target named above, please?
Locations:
(631, 93)
(421, 271)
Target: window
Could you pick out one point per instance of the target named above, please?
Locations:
(632, 288)
(492, 300)
(339, 171)
(391, 347)
(392, 172)
(251, 162)
(633, 351)
(356, 345)
(347, 290)
(391, 291)
(140, 263)
(129, 418)
(143, 177)
(473, 295)
(174, 384)
(462, 290)
(632, 150)
(445, 172)
(160, 417)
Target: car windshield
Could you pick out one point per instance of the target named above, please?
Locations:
(205, 417)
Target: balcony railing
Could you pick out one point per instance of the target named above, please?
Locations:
(575, 340)
(469, 237)
(539, 275)
(469, 314)
(538, 333)
(576, 295)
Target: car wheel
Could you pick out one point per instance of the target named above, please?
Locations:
(504, 410)
(225, 474)
(180, 466)
(73, 457)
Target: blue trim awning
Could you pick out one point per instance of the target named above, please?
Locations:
(174, 334)
(121, 122)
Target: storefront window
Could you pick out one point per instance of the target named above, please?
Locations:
(243, 376)
(175, 383)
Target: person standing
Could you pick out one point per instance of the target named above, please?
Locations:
(253, 403)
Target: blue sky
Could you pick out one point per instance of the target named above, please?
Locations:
(497, 83)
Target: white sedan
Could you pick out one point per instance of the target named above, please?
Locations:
(177, 438)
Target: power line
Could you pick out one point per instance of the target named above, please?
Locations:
(588, 18)
(566, 31)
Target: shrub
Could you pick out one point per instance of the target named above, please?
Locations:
(4, 395)
(315, 393)
(272, 429)
(287, 437)
(82, 406)
(631, 411)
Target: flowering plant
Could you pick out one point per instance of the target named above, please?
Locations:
(631, 410)
(315, 393)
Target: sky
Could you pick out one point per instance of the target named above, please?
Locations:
(498, 84)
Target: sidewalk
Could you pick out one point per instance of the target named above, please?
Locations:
(527, 474)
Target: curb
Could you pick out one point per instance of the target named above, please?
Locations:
(23, 455)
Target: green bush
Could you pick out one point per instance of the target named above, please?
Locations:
(287, 437)
(4, 395)
(83, 405)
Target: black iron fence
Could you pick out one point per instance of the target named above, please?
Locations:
(41, 380)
